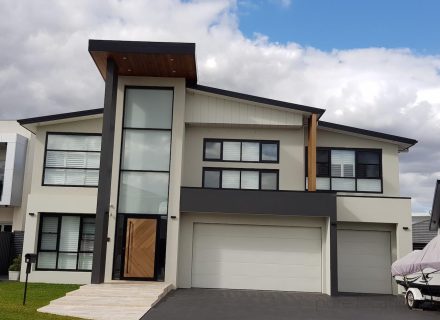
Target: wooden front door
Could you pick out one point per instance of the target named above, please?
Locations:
(140, 248)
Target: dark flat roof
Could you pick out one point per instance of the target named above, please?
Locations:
(435, 212)
(146, 58)
(248, 97)
(407, 142)
(60, 116)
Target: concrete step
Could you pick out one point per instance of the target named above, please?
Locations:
(125, 300)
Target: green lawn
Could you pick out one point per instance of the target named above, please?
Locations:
(38, 295)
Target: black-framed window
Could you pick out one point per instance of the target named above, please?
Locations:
(146, 150)
(65, 242)
(233, 178)
(72, 159)
(231, 150)
(351, 170)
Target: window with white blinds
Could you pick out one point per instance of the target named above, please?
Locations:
(72, 159)
(241, 150)
(250, 179)
(66, 242)
(351, 170)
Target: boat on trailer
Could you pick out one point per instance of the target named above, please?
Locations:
(419, 273)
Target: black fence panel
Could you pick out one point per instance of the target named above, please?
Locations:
(5, 251)
(17, 243)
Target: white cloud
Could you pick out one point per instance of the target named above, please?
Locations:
(45, 68)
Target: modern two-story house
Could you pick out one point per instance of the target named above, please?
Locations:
(202, 187)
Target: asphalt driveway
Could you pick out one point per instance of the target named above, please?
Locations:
(214, 304)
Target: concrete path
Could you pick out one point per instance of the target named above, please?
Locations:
(214, 304)
(128, 300)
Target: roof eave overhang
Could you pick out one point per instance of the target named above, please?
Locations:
(403, 143)
(148, 59)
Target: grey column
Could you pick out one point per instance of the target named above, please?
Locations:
(333, 257)
(105, 172)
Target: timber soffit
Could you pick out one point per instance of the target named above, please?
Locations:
(435, 212)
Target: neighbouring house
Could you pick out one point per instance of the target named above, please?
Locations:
(202, 187)
(421, 234)
(435, 212)
(15, 150)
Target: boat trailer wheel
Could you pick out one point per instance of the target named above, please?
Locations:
(411, 302)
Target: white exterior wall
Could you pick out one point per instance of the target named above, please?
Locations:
(178, 133)
(53, 199)
(291, 165)
(186, 238)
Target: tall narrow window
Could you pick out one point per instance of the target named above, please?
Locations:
(72, 159)
(146, 151)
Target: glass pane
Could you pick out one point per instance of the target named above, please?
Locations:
(85, 261)
(342, 163)
(87, 243)
(250, 179)
(211, 179)
(323, 183)
(148, 108)
(250, 151)
(88, 226)
(269, 152)
(212, 150)
(47, 260)
(322, 169)
(146, 150)
(67, 261)
(69, 235)
(92, 178)
(340, 184)
(368, 157)
(231, 151)
(144, 192)
(369, 185)
(74, 142)
(368, 171)
(269, 181)
(322, 156)
(231, 179)
(48, 241)
(50, 224)
(66, 159)
(55, 176)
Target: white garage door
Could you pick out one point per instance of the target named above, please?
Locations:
(364, 261)
(256, 257)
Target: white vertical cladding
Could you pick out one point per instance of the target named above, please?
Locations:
(14, 168)
(178, 133)
(204, 108)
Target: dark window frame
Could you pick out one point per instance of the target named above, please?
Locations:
(57, 251)
(355, 178)
(45, 158)
(260, 156)
(240, 170)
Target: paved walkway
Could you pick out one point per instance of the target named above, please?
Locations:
(127, 300)
(213, 304)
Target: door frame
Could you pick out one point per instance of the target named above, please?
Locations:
(124, 246)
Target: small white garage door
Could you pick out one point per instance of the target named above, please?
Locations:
(364, 261)
(257, 257)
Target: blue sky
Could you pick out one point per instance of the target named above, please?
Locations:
(345, 24)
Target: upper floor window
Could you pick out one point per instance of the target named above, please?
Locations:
(232, 178)
(358, 170)
(72, 159)
(241, 150)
